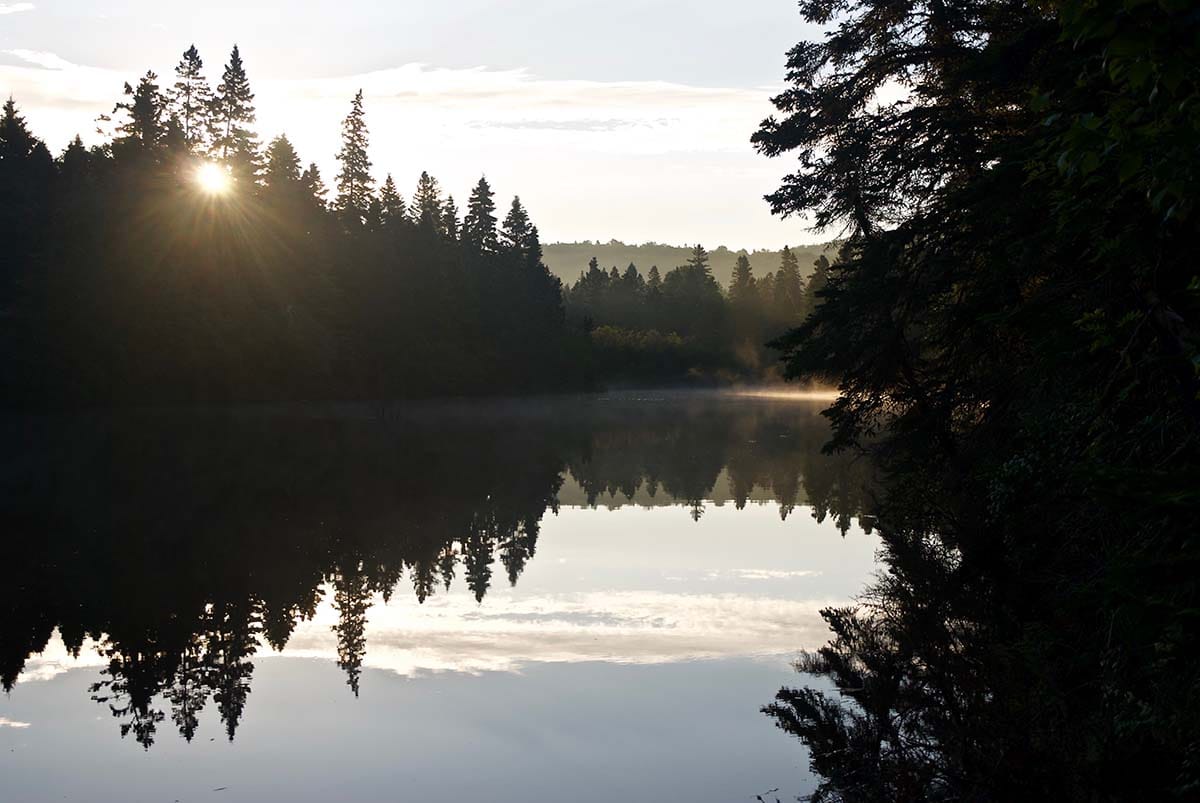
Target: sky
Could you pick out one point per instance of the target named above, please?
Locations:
(621, 119)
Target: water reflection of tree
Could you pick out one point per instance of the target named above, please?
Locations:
(185, 542)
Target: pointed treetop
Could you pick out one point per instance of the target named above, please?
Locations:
(314, 186)
(16, 140)
(479, 224)
(232, 115)
(354, 182)
(283, 164)
(144, 107)
(426, 206)
(519, 236)
(391, 202)
(450, 225)
(192, 99)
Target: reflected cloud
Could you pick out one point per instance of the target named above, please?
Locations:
(452, 633)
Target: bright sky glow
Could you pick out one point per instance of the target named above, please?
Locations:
(629, 119)
(213, 179)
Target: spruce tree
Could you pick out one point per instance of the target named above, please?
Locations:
(233, 113)
(314, 185)
(354, 180)
(519, 236)
(426, 209)
(373, 219)
(16, 140)
(654, 278)
(282, 170)
(192, 99)
(75, 163)
(391, 202)
(479, 224)
(144, 107)
(741, 286)
(699, 260)
(789, 287)
(450, 225)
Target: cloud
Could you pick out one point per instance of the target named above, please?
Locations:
(15, 8)
(5, 722)
(43, 59)
(452, 633)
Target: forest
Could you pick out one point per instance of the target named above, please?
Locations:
(1012, 324)
(682, 323)
(184, 261)
(568, 260)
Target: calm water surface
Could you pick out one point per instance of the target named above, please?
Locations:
(579, 599)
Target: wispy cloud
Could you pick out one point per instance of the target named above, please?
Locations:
(43, 59)
(15, 8)
(451, 633)
(5, 722)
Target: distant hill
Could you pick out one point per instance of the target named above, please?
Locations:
(567, 260)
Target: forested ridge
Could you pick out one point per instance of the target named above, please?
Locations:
(682, 323)
(568, 260)
(1012, 323)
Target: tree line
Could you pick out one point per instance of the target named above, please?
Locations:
(1013, 323)
(182, 260)
(683, 324)
(566, 258)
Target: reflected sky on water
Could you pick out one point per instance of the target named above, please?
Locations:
(627, 625)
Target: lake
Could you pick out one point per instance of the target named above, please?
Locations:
(581, 598)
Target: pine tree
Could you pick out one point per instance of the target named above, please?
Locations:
(426, 209)
(354, 182)
(479, 224)
(519, 236)
(373, 219)
(233, 113)
(741, 286)
(192, 99)
(391, 202)
(75, 163)
(282, 169)
(789, 287)
(174, 140)
(450, 225)
(816, 283)
(144, 107)
(314, 186)
(654, 278)
(699, 260)
(743, 300)
(16, 140)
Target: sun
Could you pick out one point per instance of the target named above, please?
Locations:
(213, 179)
